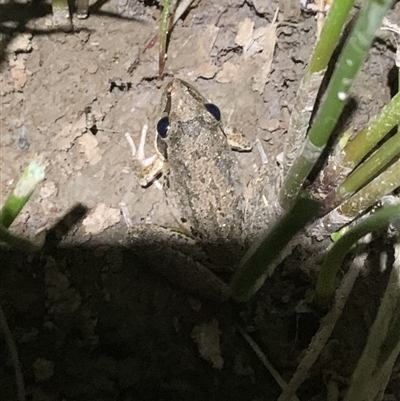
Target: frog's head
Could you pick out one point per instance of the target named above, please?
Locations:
(183, 110)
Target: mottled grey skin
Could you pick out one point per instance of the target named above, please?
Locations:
(202, 182)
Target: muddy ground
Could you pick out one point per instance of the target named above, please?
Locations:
(89, 321)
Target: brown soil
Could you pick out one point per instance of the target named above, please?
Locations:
(91, 323)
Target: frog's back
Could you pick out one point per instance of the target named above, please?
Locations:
(203, 181)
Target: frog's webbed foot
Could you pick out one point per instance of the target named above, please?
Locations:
(238, 142)
(151, 172)
(175, 257)
(152, 166)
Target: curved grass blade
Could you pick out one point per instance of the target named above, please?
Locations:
(256, 261)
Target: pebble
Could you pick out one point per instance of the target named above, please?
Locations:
(92, 68)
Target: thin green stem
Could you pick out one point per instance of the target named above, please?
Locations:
(82, 9)
(19, 243)
(369, 136)
(60, 4)
(31, 177)
(263, 253)
(380, 186)
(330, 34)
(367, 170)
(164, 28)
(326, 278)
(61, 15)
(312, 78)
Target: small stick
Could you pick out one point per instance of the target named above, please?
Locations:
(264, 360)
(126, 214)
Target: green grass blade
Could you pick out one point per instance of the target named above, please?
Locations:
(326, 278)
(263, 253)
(382, 185)
(31, 177)
(164, 28)
(330, 34)
(356, 150)
(369, 136)
(312, 78)
(366, 171)
(61, 16)
(19, 243)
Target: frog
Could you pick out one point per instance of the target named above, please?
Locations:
(204, 190)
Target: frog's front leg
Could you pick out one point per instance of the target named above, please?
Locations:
(151, 167)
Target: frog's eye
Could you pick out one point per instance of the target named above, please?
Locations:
(163, 127)
(213, 110)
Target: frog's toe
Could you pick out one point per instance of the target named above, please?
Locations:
(238, 142)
